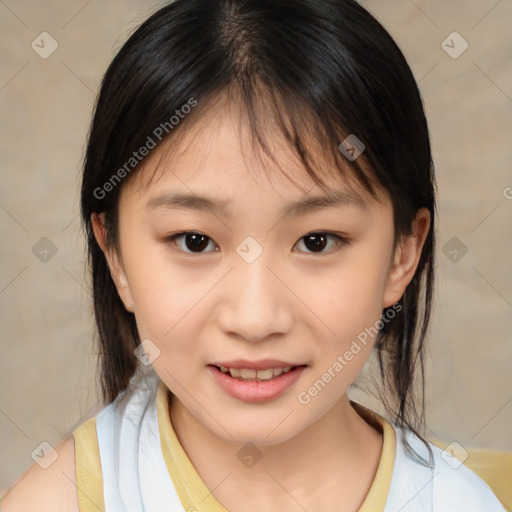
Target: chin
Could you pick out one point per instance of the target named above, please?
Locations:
(257, 437)
(256, 429)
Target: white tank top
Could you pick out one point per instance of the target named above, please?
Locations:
(136, 478)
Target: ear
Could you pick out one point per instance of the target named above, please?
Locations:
(406, 258)
(114, 262)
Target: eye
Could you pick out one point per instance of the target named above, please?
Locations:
(318, 240)
(193, 240)
(196, 242)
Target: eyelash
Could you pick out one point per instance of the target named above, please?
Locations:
(339, 240)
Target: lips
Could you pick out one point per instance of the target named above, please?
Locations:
(262, 370)
(262, 364)
(240, 378)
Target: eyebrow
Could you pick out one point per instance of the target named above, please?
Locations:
(309, 204)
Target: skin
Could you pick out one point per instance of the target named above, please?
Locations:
(291, 303)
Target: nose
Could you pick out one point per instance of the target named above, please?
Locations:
(256, 303)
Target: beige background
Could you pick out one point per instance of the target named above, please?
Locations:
(47, 368)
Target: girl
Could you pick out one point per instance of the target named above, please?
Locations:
(259, 202)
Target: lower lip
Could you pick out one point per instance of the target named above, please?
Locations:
(254, 391)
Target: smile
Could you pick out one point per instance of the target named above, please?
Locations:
(255, 385)
(250, 374)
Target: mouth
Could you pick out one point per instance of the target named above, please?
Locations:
(255, 385)
(254, 375)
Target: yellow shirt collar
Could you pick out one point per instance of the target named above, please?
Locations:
(193, 492)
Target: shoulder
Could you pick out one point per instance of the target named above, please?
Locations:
(439, 483)
(52, 489)
(456, 487)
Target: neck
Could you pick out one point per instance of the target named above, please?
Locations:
(338, 465)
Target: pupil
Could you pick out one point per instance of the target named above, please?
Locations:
(199, 242)
(320, 244)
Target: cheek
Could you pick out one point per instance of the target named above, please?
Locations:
(351, 307)
(349, 304)
(351, 299)
(168, 301)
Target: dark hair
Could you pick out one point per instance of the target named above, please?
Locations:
(321, 71)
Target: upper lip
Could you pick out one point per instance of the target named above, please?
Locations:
(262, 364)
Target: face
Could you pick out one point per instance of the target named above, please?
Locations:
(258, 285)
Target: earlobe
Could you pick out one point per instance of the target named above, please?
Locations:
(406, 258)
(115, 266)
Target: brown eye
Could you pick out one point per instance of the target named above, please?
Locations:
(195, 242)
(191, 241)
(317, 241)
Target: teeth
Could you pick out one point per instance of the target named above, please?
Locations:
(264, 374)
(247, 373)
(251, 374)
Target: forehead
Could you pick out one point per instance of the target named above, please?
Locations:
(215, 154)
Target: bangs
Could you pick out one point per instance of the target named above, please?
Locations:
(271, 122)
